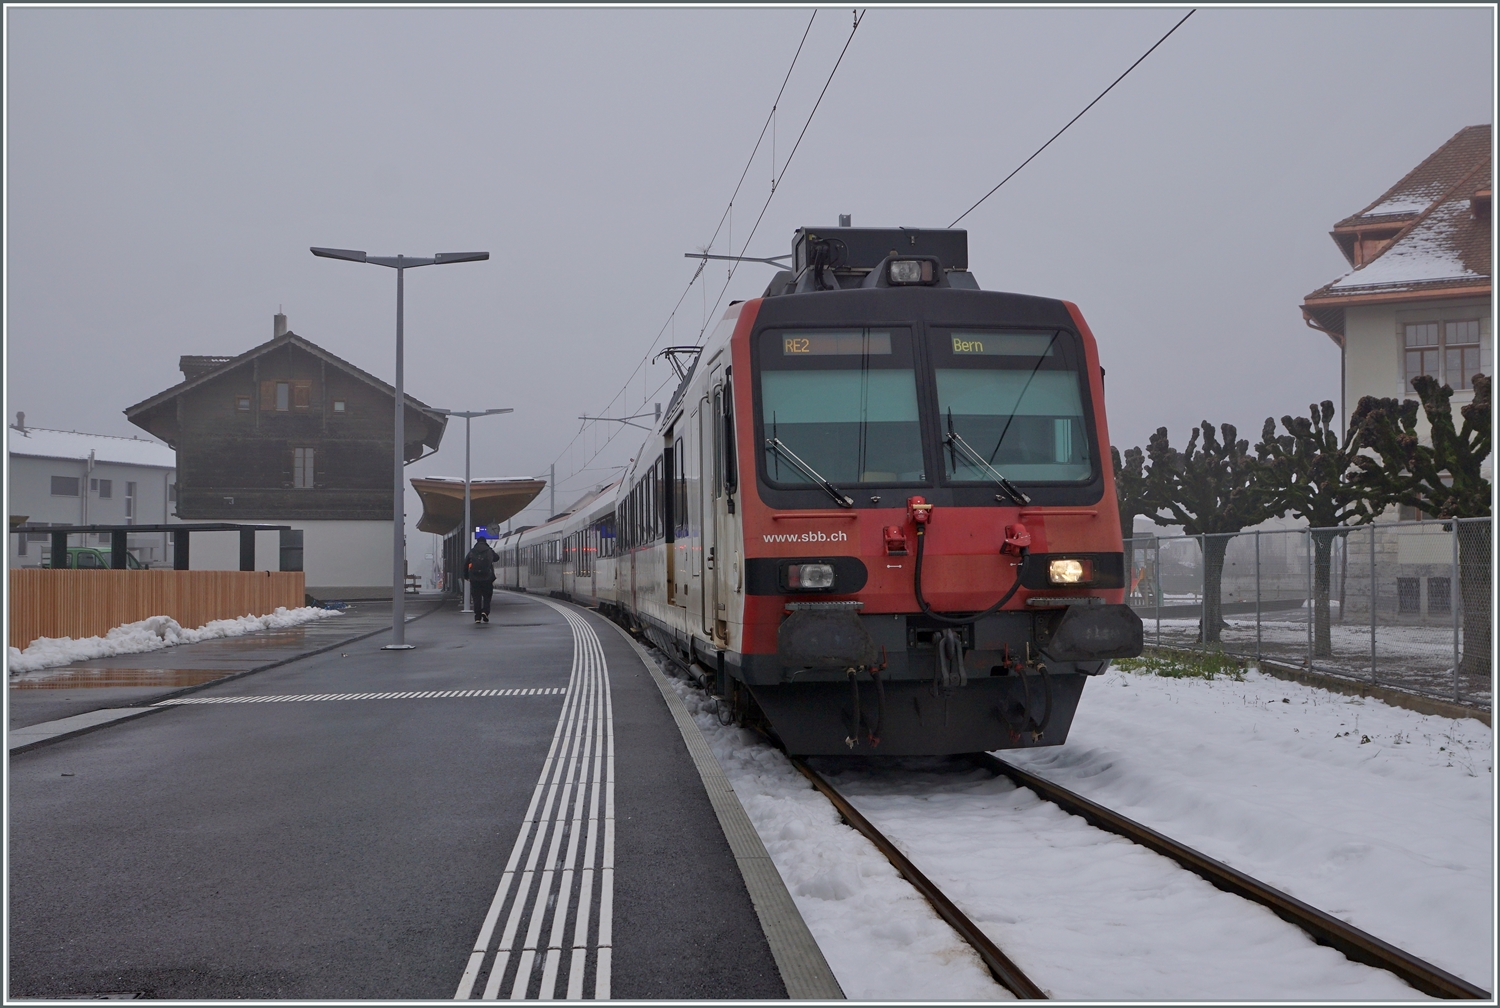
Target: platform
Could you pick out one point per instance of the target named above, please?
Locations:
(133, 679)
(509, 810)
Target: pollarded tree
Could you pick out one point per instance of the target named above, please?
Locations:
(1132, 497)
(1307, 470)
(1211, 491)
(1442, 478)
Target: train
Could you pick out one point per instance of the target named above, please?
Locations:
(877, 515)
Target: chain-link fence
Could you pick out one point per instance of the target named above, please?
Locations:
(1402, 604)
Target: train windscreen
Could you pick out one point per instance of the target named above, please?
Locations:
(1014, 400)
(843, 402)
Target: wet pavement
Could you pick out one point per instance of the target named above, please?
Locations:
(131, 680)
(339, 827)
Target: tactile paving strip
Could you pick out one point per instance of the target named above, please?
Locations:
(421, 695)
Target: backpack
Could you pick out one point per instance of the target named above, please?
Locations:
(481, 565)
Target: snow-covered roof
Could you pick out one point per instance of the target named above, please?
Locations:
(1428, 181)
(1435, 224)
(43, 442)
(1435, 247)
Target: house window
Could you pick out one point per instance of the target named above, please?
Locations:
(65, 486)
(1449, 354)
(103, 487)
(1421, 351)
(302, 468)
(172, 493)
(338, 405)
(1460, 353)
(1439, 595)
(130, 503)
(285, 396)
(242, 403)
(1408, 595)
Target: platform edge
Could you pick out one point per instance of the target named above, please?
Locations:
(804, 970)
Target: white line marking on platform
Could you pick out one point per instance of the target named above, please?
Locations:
(574, 797)
(308, 698)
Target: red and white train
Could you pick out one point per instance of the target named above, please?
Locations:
(878, 510)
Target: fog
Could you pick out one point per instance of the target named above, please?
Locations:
(169, 168)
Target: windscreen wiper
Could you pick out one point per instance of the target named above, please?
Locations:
(838, 495)
(956, 441)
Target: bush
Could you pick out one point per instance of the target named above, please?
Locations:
(1188, 665)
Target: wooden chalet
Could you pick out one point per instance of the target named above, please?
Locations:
(285, 429)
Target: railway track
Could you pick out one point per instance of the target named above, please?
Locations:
(1324, 928)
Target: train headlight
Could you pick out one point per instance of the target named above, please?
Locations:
(1064, 572)
(911, 271)
(809, 576)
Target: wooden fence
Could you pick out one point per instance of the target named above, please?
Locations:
(89, 603)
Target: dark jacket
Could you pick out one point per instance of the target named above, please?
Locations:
(479, 565)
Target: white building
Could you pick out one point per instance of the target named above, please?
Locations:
(62, 477)
(1416, 300)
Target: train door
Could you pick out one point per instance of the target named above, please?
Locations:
(707, 484)
(671, 513)
(717, 549)
(693, 457)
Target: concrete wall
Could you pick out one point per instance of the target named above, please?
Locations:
(31, 495)
(342, 559)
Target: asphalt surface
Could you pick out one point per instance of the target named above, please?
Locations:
(128, 680)
(350, 849)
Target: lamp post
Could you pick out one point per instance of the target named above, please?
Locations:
(468, 521)
(398, 539)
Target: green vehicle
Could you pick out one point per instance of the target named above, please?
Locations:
(89, 558)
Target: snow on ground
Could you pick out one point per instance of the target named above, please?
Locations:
(151, 634)
(882, 940)
(1089, 915)
(1418, 657)
(1378, 815)
(1391, 834)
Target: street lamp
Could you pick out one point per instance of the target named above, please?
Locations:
(468, 521)
(398, 549)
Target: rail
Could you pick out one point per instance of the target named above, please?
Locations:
(1325, 929)
(1006, 973)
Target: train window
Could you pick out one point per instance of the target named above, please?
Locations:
(731, 476)
(718, 443)
(1016, 400)
(658, 500)
(844, 401)
(679, 491)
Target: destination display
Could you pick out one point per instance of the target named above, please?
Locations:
(835, 342)
(1002, 344)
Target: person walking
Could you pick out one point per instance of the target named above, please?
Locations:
(479, 569)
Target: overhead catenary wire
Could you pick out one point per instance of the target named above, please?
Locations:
(1073, 120)
(709, 314)
(776, 183)
(671, 318)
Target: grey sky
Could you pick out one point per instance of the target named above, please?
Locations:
(169, 168)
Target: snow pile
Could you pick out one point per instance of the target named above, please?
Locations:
(880, 937)
(1378, 815)
(151, 634)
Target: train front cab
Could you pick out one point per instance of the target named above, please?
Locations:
(959, 385)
